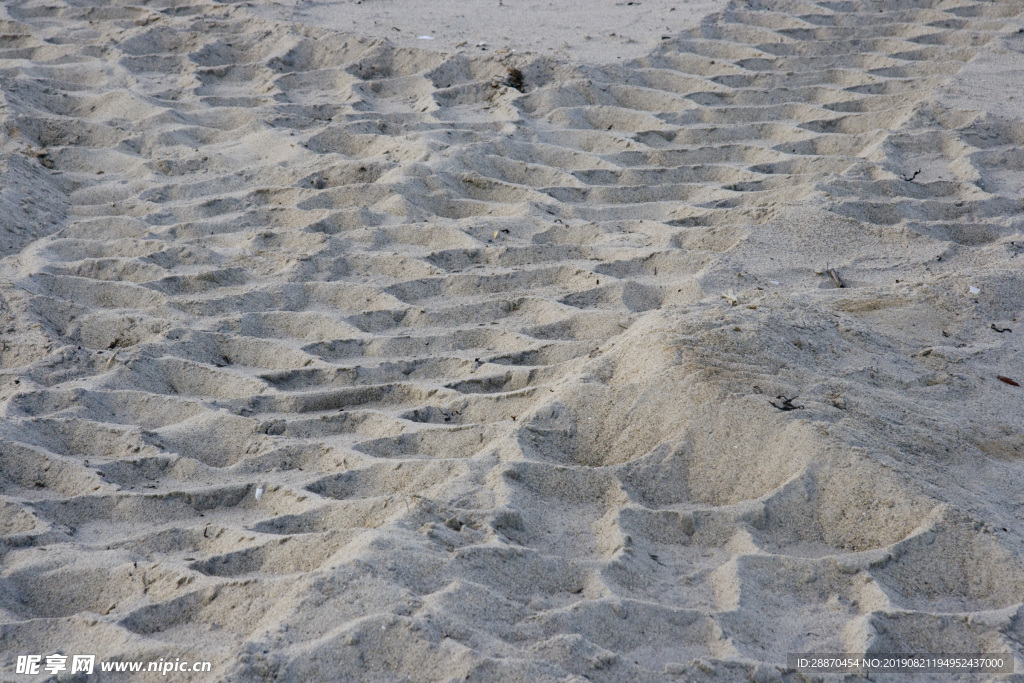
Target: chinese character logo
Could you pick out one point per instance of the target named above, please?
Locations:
(82, 663)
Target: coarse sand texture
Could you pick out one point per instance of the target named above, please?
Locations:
(327, 358)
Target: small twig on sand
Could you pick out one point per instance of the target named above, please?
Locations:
(787, 403)
(914, 175)
(835, 277)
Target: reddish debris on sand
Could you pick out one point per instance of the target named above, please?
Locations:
(1007, 380)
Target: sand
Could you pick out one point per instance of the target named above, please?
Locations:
(327, 354)
(606, 31)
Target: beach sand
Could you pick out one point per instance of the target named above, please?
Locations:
(332, 353)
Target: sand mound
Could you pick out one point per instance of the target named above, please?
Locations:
(324, 357)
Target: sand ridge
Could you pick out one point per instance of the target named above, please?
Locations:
(349, 360)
